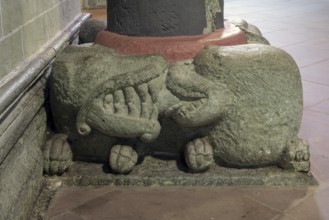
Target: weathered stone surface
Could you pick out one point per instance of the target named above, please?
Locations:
(69, 11)
(57, 155)
(164, 17)
(253, 34)
(246, 100)
(13, 55)
(90, 29)
(91, 4)
(122, 158)
(263, 116)
(21, 172)
(65, 116)
(1, 29)
(42, 6)
(53, 18)
(199, 155)
(12, 16)
(19, 116)
(34, 36)
(28, 10)
(163, 172)
(296, 156)
(214, 15)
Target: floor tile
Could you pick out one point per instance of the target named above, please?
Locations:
(300, 50)
(317, 72)
(310, 55)
(313, 117)
(274, 25)
(286, 36)
(315, 132)
(319, 168)
(284, 217)
(279, 198)
(323, 107)
(71, 197)
(321, 42)
(314, 93)
(66, 216)
(315, 129)
(315, 207)
(170, 203)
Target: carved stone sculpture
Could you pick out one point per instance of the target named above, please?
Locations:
(235, 106)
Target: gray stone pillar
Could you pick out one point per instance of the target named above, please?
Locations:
(164, 17)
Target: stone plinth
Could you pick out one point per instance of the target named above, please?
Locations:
(157, 172)
(172, 48)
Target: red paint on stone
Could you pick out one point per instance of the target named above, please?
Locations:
(172, 48)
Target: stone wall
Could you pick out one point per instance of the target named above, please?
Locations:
(91, 4)
(27, 25)
(32, 32)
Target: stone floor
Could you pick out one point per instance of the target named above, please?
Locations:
(301, 28)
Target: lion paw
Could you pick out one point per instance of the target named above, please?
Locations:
(199, 155)
(122, 158)
(297, 156)
(57, 155)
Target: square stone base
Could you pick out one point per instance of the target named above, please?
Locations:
(157, 172)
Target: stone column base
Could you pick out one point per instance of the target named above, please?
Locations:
(172, 48)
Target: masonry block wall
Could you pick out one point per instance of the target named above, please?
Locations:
(32, 32)
(92, 4)
(27, 25)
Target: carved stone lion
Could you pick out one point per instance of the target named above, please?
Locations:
(237, 106)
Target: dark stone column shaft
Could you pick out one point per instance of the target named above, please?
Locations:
(164, 17)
